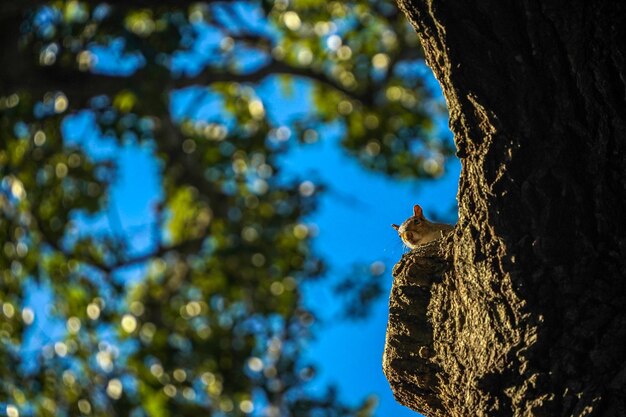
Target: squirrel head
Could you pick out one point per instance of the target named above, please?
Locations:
(416, 230)
(417, 213)
(413, 221)
(409, 230)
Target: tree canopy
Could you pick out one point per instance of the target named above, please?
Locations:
(213, 321)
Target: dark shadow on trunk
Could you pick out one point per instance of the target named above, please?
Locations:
(531, 318)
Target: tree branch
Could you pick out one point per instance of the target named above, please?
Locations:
(274, 67)
(192, 245)
(80, 86)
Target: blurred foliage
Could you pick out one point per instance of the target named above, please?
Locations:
(360, 292)
(215, 325)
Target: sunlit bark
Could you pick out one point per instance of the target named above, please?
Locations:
(531, 319)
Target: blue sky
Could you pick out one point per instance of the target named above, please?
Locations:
(353, 220)
(356, 228)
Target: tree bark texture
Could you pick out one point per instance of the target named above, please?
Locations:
(408, 358)
(531, 318)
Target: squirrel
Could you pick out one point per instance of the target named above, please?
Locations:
(417, 231)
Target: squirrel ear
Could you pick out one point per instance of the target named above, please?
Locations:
(417, 211)
(395, 226)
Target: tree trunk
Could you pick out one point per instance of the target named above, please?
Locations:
(530, 320)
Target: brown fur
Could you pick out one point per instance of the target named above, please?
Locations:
(416, 230)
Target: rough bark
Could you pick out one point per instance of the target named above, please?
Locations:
(531, 318)
(408, 358)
